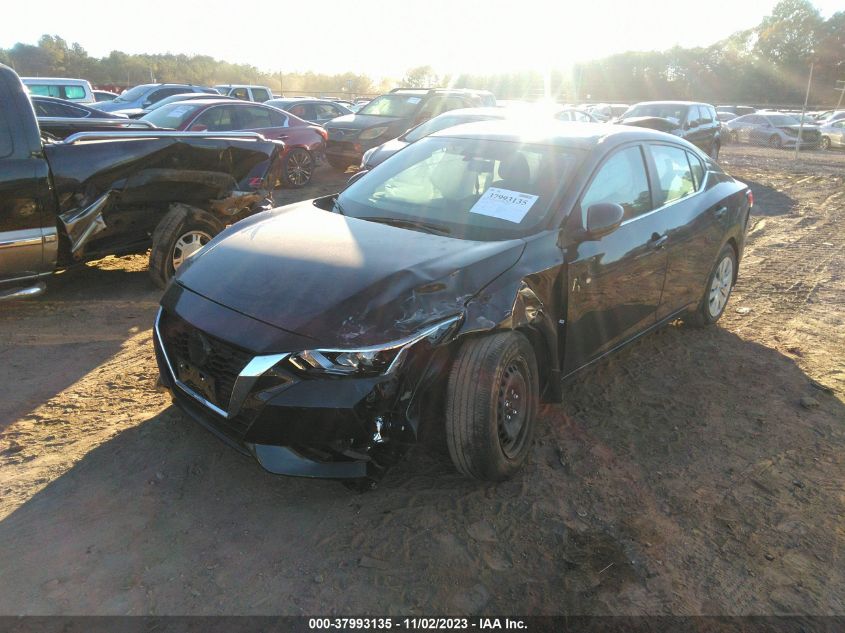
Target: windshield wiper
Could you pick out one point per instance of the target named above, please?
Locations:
(410, 224)
(338, 207)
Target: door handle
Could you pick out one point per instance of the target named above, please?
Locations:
(657, 241)
(721, 211)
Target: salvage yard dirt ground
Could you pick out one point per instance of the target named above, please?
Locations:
(697, 472)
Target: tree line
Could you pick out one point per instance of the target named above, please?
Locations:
(767, 64)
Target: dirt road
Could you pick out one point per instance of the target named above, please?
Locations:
(699, 471)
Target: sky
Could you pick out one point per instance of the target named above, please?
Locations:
(385, 38)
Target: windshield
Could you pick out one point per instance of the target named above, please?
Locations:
(172, 116)
(441, 123)
(132, 94)
(675, 111)
(467, 188)
(392, 105)
(783, 119)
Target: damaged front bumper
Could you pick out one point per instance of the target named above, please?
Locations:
(328, 427)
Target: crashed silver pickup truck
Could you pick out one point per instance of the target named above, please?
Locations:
(111, 193)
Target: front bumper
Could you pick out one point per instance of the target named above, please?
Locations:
(312, 427)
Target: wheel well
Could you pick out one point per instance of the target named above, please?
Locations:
(732, 244)
(541, 352)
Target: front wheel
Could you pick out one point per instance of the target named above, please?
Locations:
(717, 291)
(297, 168)
(825, 142)
(491, 405)
(775, 141)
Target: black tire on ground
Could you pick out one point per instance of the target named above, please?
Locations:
(341, 164)
(297, 168)
(734, 137)
(774, 141)
(181, 222)
(491, 404)
(704, 314)
(714, 150)
(825, 142)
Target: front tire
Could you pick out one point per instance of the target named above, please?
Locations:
(825, 142)
(775, 141)
(717, 290)
(491, 405)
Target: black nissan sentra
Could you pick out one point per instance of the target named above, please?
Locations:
(466, 276)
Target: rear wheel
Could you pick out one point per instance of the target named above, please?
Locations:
(180, 234)
(491, 404)
(774, 141)
(297, 168)
(717, 291)
(825, 142)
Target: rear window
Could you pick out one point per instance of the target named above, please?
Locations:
(6, 145)
(393, 105)
(171, 116)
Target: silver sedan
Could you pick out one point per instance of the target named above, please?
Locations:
(833, 134)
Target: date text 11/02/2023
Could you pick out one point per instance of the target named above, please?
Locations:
(423, 623)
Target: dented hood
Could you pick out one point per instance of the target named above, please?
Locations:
(340, 280)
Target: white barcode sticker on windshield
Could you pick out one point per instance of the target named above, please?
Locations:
(504, 204)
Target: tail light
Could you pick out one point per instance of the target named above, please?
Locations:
(750, 197)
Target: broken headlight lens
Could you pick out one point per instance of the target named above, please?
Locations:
(369, 361)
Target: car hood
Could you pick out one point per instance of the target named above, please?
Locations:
(360, 121)
(385, 151)
(652, 122)
(339, 280)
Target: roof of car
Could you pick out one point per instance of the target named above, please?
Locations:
(670, 103)
(552, 132)
(287, 100)
(216, 100)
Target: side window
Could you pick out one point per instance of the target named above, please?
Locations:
(48, 108)
(74, 92)
(622, 179)
(6, 145)
(161, 93)
(277, 119)
(698, 171)
(299, 110)
(840, 123)
(260, 95)
(253, 118)
(704, 113)
(673, 173)
(218, 119)
(240, 93)
(324, 111)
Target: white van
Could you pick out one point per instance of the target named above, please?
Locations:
(78, 90)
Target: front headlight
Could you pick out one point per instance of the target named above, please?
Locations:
(373, 132)
(369, 361)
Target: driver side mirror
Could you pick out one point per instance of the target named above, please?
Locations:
(603, 218)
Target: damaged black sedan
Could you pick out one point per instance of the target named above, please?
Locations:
(466, 276)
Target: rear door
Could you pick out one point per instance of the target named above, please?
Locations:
(693, 225)
(260, 95)
(614, 282)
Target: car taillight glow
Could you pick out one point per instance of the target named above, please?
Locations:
(750, 197)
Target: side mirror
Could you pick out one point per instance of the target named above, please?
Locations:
(604, 218)
(357, 176)
(198, 127)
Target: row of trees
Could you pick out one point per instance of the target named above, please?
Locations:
(767, 64)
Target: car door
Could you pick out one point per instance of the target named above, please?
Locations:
(261, 119)
(693, 224)
(614, 282)
(28, 240)
(697, 131)
(260, 95)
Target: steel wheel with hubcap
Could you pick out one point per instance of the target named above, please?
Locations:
(491, 403)
(188, 244)
(298, 167)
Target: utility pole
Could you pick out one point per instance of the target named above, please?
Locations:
(841, 92)
(803, 110)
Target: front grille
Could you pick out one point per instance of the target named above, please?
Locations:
(222, 362)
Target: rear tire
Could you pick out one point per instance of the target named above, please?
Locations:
(717, 290)
(825, 142)
(180, 233)
(775, 142)
(297, 168)
(491, 405)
